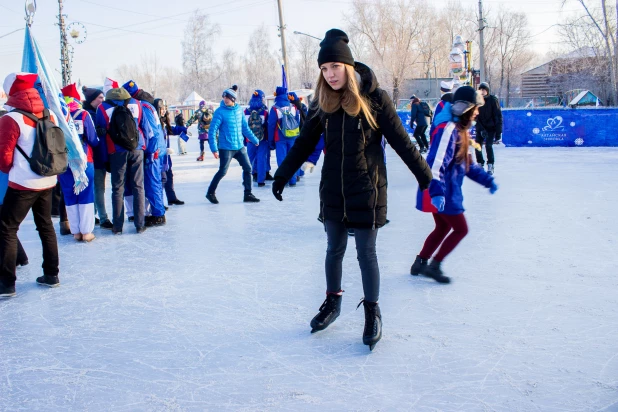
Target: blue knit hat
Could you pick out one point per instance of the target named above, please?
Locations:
(131, 87)
(231, 94)
(281, 90)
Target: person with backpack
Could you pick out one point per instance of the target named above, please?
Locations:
(80, 207)
(203, 117)
(450, 160)
(257, 119)
(120, 121)
(284, 127)
(354, 114)
(418, 115)
(32, 152)
(167, 176)
(155, 145)
(488, 127)
(230, 124)
(94, 98)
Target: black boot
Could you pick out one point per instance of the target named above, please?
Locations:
(7, 291)
(48, 280)
(106, 225)
(249, 198)
(155, 221)
(177, 202)
(212, 198)
(373, 324)
(255, 177)
(269, 176)
(418, 266)
(65, 229)
(433, 271)
(329, 311)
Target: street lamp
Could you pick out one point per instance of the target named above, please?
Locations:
(308, 35)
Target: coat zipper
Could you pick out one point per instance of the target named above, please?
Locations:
(321, 190)
(360, 127)
(375, 203)
(345, 215)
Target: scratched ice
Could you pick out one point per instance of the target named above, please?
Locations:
(212, 311)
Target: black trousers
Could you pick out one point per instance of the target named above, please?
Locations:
(17, 204)
(488, 139)
(22, 257)
(421, 139)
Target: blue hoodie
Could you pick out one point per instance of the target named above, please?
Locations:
(231, 124)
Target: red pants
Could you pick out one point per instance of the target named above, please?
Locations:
(444, 224)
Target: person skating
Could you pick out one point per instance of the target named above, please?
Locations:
(488, 127)
(93, 99)
(126, 161)
(417, 116)
(80, 207)
(230, 124)
(450, 160)
(283, 127)
(257, 119)
(353, 115)
(167, 176)
(203, 117)
(26, 190)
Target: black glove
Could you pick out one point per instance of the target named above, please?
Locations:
(278, 186)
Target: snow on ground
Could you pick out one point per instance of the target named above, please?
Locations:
(212, 311)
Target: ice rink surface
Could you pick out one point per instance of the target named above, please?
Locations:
(211, 311)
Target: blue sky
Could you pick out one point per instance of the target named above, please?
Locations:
(121, 31)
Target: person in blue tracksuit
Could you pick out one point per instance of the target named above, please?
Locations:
(231, 124)
(167, 177)
(80, 207)
(257, 119)
(153, 134)
(451, 160)
(276, 133)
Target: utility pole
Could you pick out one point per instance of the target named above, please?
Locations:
(283, 46)
(482, 40)
(65, 61)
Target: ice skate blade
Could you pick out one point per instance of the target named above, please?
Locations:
(371, 347)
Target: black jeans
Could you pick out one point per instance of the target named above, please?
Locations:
(127, 166)
(22, 257)
(487, 138)
(167, 179)
(225, 158)
(337, 235)
(17, 204)
(421, 139)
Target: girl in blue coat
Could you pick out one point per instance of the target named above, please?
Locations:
(450, 161)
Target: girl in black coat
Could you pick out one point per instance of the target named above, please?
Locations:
(353, 113)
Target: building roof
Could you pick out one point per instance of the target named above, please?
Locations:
(193, 99)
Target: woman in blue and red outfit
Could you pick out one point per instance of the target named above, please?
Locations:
(80, 208)
(450, 161)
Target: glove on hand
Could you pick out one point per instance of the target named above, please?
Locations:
(438, 202)
(307, 166)
(278, 186)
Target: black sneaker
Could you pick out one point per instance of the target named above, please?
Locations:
(269, 176)
(177, 202)
(49, 281)
(261, 184)
(418, 266)
(107, 225)
(155, 221)
(212, 198)
(249, 198)
(97, 222)
(7, 291)
(140, 230)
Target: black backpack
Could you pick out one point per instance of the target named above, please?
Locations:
(426, 109)
(49, 153)
(255, 124)
(122, 127)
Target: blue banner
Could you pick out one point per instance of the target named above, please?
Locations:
(560, 127)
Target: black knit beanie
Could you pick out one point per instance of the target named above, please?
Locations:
(334, 48)
(90, 94)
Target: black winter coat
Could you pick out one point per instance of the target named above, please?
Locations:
(490, 116)
(418, 115)
(354, 181)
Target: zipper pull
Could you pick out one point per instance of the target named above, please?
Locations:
(359, 124)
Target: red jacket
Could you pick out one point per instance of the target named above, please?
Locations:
(15, 128)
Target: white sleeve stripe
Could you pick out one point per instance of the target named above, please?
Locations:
(442, 147)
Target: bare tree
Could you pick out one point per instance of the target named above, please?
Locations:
(305, 52)
(260, 63)
(391, 27)
(197, 53)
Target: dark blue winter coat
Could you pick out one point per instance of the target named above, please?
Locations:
(448, 174)
(418, 115)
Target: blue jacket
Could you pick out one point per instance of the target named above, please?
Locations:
(447, 173)
(274, 120)
(231, 124)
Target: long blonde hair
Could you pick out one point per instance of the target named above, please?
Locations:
(349, 98)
